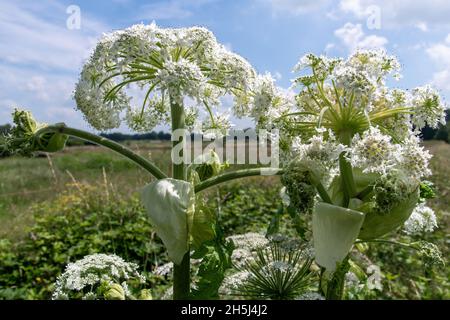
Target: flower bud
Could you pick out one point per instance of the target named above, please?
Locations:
(24, 139)
(115, 292)
(207, 165)
(145, 295)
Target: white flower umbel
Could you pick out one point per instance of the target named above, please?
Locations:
(168, 65)
(374, 277)
(428, 108)
(414, 159)
(421, 220)
(268, 102)
(373, 152)
(92, 271)
(250, 241)
(311, 296)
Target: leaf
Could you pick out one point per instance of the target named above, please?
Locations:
(203, 225)
(216, 260)
(274, 225)
(170, 203)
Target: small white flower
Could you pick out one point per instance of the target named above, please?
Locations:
(427, 107)
(311, 296)
(164, 269)
(422, 219)
(375, 277)
(414, 159)
(91, 271)
(373, 152)
(233, 282)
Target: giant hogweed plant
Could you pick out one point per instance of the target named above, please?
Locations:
(352, 156)
(351, 148)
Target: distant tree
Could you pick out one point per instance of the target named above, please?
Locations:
(5, 129)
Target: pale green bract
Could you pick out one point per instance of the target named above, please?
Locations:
(170, 204)
(334, 231)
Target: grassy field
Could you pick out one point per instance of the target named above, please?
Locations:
(25, 181)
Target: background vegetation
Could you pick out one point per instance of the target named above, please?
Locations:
(57, 208)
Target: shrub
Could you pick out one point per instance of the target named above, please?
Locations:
(83, 221)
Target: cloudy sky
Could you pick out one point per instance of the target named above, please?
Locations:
(42, 48)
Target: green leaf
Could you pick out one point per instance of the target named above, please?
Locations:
(203, 226)
(216, 260)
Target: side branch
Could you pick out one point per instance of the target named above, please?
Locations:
(117, 147)
(227, 176)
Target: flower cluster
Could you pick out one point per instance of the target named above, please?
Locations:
(354, 141)
(278, 270)
(169, 65)
(421, 220)
(350, 95)
(97, 276)
(375, 152)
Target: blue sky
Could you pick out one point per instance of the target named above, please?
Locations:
(40, 57)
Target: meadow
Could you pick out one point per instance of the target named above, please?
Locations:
(30, 186)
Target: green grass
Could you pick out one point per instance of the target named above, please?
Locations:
(25, 181)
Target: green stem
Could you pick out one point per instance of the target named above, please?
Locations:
(346, 171)
(181, 272)
(365, 192)
(117, 147)
(404, 245)
(227, 176)
(323, 193)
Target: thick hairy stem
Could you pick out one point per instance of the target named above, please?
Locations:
(346, 171)
(181, 272)
(336, 283)
(237, 174)
(117, 147)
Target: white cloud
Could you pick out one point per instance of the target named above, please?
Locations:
(295, 7)
(40, 59)
(29, 36)
(37, 85)
(171, 9)
(401, 13)
(439, 53)
(422, 26)
(329, 47)
(441, 80)
(353, 37)
(277, 76)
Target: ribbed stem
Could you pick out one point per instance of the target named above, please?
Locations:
(181, 272)
(346, 170)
